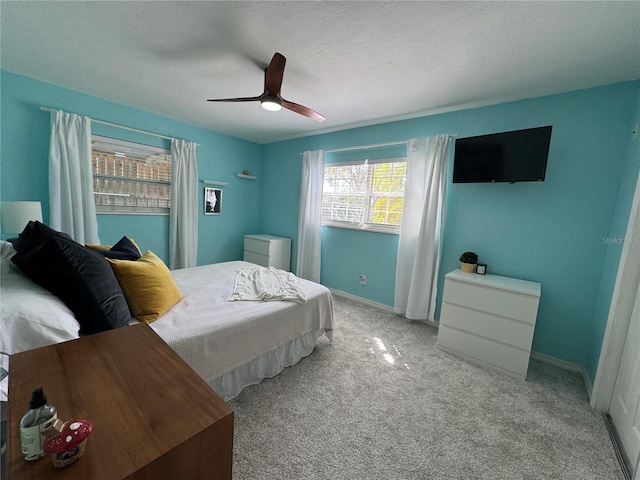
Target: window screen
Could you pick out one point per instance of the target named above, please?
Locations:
(364, 195)
(130, 177)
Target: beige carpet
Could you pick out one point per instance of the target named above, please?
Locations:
(383, 402)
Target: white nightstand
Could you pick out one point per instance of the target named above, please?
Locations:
(268, 251)
(489, 319)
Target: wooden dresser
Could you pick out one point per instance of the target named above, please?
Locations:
(153, 416)
(489, 319)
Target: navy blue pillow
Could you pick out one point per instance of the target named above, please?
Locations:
(34, 234)
(80, 277)
(123, 250)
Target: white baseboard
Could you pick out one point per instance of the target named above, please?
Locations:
(573, 367)
(366, 301)
(371, 303)
(587, 383)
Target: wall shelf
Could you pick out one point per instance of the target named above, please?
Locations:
(248, 177)
(213, 182)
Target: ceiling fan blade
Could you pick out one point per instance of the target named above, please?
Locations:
(242, 99)
(273, 74)
(271, 98)
(302, 110)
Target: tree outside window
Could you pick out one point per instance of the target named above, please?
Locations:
(364, 195)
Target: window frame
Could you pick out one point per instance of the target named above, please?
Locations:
(128, 146)
(364, 226)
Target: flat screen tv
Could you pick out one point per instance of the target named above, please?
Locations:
(516, 156)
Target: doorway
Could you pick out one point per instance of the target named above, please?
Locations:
(625, 404)
(616, 388)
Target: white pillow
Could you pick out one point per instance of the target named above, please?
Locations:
(6, 252)
(30, 316)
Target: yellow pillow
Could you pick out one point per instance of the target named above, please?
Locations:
(147, 285)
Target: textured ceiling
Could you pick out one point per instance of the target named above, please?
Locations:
(357, 63)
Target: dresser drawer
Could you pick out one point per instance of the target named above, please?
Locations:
(257, 245)
(268, 251)
(256, 258)
(510, 304)
(500, 329)
(508, 359)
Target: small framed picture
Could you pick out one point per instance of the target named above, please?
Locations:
(481, 269)
(212, 201)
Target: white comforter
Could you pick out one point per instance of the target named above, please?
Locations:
(215, 335)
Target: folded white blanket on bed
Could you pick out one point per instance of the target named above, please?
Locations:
(267, 284)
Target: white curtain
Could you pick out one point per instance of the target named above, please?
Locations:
(71, 205)
(183, 221)
(420, 243)
(310, 216)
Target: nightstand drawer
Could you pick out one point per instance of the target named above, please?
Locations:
(257, 245)
(500, 329)
(256, 258)
(494, 301)
(508, 359)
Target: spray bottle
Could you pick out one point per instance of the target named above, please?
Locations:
(39, 417)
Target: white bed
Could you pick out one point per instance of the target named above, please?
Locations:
(231, 344)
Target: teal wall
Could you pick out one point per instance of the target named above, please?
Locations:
(613, 243)
(550, 232)
(24, 165)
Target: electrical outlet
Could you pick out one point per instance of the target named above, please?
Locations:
(363, 279)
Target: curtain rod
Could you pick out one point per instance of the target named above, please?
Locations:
(101, 122)
(374, 145)
(364, 147)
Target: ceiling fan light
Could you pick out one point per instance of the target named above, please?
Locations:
(273, 104)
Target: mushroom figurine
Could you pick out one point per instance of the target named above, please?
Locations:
(68, 446)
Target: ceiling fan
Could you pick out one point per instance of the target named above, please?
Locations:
(271, 98)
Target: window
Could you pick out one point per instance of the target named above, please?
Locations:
(130, 177)
(365, 194)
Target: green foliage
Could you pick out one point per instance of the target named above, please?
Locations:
(388, 179)
(469, 257)
(372, 193)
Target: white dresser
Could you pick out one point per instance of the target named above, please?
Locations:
(489, 319)
(268, 251)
